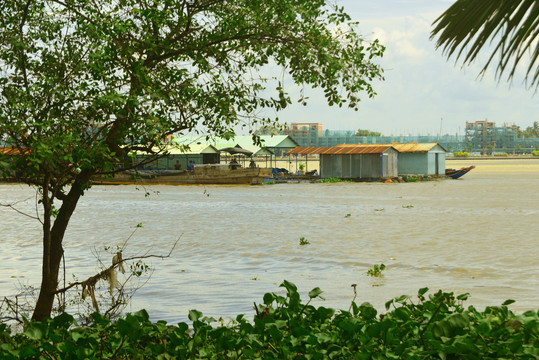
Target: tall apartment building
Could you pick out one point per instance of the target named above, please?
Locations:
(306, 134)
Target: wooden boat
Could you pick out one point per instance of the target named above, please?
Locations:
(202, 174)
(455, 174)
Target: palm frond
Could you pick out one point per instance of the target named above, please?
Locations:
(509, 28)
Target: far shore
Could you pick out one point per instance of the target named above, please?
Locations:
(313, 163)
(486, 157)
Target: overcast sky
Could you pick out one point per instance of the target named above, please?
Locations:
(422, 91)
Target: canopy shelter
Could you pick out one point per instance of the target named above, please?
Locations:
(237, 150)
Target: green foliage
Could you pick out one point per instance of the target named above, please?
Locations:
(411, 179)
(301, 166)
(529, 132)
(434, 326)
(331, 180)
(465, 29)
(376, 270)
(461, 154)
(535, 152)
(303, 241)
(361, 132)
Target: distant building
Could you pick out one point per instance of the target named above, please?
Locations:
(480, 136)
(485, 136)
(306, 134)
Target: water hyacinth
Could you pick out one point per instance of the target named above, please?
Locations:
(433, 326)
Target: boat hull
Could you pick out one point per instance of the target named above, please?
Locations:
(455, 174)
(203, 175)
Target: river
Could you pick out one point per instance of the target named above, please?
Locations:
(478, 234)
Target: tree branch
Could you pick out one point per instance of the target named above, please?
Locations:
(92, 280)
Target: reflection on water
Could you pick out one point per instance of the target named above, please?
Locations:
(477, 235)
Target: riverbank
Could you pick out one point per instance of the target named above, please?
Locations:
(509, 157)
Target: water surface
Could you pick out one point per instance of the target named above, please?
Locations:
(478, 234)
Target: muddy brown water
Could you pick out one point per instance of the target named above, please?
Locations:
(478, 234)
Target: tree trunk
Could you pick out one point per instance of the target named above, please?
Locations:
(52, 246)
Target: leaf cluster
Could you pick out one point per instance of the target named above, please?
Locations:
(436, 326)
(376, 270)
(470, 26)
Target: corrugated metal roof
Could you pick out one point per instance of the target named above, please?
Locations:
(346, 149)
(363, 148)
(413, 147)
(358, 149)
(301, 150)
(405, 147)
(244, 141)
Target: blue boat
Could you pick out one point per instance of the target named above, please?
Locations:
(455, 174)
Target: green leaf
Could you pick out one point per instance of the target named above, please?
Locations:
(423, 291)
(315, 292)
(194, 315)
(33, 331)
(508, 302)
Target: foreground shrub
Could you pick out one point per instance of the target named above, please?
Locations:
(436, 326)
(461, 154)
(535, 152)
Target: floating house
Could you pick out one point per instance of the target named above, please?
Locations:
(271, 147)
(354, 161)
(271, 144)
(198, 153)
(421, 159)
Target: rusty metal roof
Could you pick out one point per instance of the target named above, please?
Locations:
(301, 150)
(358, 149)
(403, 148)
(345, 149)
(363, 148)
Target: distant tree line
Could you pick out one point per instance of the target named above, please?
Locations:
(530, 132)
(361, 132)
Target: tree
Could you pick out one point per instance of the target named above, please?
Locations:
(84, 83)
(512, 26)
(361, 132)
(529, 132)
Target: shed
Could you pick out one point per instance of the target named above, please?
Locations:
(421, 159)
(355, 161)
